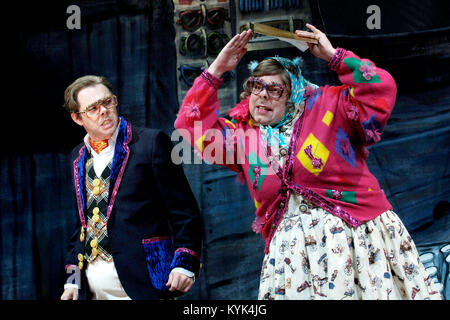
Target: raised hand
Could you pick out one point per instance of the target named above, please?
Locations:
(323, 50)
(231, 54)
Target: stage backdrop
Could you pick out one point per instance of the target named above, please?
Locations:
(132, 44)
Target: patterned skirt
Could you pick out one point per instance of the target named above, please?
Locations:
(316, 255)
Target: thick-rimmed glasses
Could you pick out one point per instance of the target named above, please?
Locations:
(274, 90)
(93, 110)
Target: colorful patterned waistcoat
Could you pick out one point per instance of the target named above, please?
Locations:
(97, 242)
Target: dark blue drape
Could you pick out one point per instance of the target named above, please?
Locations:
(131, 44)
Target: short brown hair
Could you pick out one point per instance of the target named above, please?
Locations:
(71, 92)
(268, 67)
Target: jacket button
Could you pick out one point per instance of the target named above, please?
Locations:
(96, 210)
(96, 191)
(96, 182)
(95, 218)
(82, 234)
(281, 205)
(80, 265)
(94, 243)
(283, 152)
(303, 208)
(80, 257)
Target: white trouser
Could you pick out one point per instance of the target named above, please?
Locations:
(104, 281)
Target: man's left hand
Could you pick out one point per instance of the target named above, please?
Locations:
(180, 282)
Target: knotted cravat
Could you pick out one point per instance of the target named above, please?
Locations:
(98, 146)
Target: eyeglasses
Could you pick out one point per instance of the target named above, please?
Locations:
(195, 45)
(192, 19)
(274, 90)
(93, 110)
(189, 73)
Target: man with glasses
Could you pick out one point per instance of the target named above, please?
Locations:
(138, 232)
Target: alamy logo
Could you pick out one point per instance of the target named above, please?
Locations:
(74, 277)
(74, 20)
(374, 20)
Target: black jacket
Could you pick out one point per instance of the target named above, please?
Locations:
(153, 224)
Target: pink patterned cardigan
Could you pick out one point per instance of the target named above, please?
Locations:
(325, 161)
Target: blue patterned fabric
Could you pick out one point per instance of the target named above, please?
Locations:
(344, 147)
(81, 176)
(159, 256)
(312, 100)
(119, 154)
(185, 260)
(373, 126)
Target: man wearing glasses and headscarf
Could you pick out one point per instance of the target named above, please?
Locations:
(138, 232)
